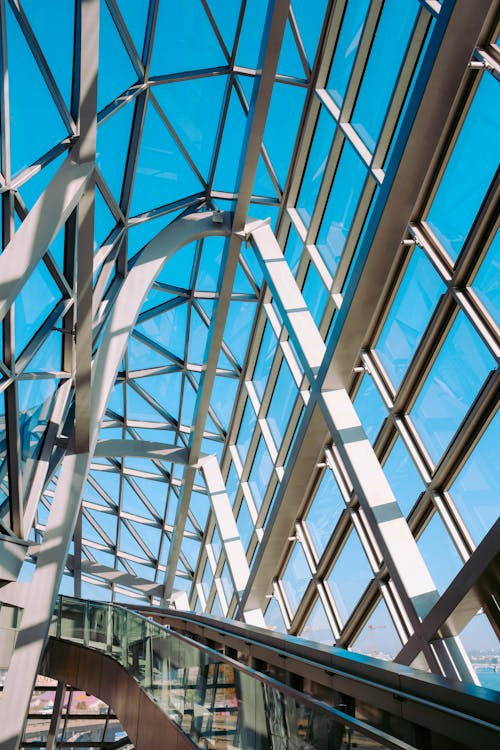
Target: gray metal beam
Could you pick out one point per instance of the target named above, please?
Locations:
(85, 153)
(454, 37)
(469, 591)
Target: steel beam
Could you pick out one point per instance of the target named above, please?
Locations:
(226, 524)
(252, 144)
(399, 549)
(401, 196)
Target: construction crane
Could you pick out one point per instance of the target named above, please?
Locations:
(371, 628)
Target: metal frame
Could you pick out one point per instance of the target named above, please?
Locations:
(86, 445)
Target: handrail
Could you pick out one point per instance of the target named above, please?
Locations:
(452, 708)
(139, 642)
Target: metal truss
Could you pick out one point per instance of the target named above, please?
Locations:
(180, 372)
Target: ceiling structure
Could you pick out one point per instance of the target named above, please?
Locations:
(250, 314)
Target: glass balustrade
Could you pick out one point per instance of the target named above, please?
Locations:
(215, 701)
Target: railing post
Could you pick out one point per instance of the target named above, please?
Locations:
(148, 666)
(109, 629)
(86, 624)
(124, 641)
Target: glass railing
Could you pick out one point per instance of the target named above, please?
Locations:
(216, 701)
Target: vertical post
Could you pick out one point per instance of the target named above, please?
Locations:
(56, 716)
(85, 152)
(36, 619)
(11, 397)
(77, 557)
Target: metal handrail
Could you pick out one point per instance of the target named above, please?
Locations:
(338, 716)
(463, 700)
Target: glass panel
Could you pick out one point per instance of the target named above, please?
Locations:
(184, 39)
(475, 490)
(316, 163)
(246, 430)
(278, 140)
(370, 407)
(325, 511)
(309, 15)
(28, 142)
(315, 294)
(216, 544)
(487, 282)
(35, 301)
(350, 576)
(470, 170)
(260, 474)
(386, 55)
(378, 637)
(405, 481)
(346, 49)
(483, 649)
(451, 386)
(227, 583)
(282, 401)
(439, 553)
(264, 360)
(317, 627)
(274, 618)
(293, 249)
(417, 296)
(296, 577)
(341, 207)
(245, 524)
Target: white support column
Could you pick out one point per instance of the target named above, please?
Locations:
(401, 554)
(228, 530)
(300, 324)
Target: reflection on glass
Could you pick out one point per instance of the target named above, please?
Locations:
(246, 430)
(315, 294)
(378, 637)
(350, 576)
(341, 207)
(409, 316)
(274, 618)
(260, 474)
(296, 577)
(487, 282)
(470, 170)
(483, 649)
(370, 408)
(386, 56)
(451, 386)
(475, 490)
(316, 163)
(245, 524)
(401, 472)
(282, 401)
(347, 47)
(317, 627)
(439, 553)
(266, 355)
(325, 511)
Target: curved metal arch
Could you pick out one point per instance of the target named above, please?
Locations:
(75, 466)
